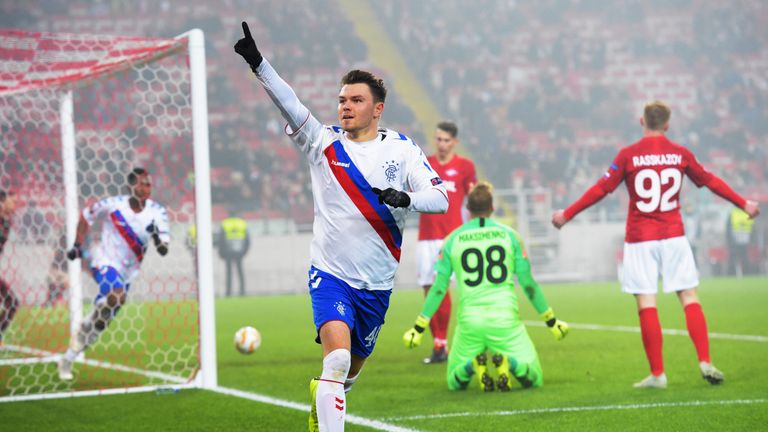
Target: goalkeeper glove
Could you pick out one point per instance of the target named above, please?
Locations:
(246, 47)
(412, 338)
(392, 197)
(558, 328)
(75, 253)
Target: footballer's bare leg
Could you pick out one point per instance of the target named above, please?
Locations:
(697, 330)
(330, 399)
(650, 329)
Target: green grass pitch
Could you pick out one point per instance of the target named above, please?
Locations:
(588, 376)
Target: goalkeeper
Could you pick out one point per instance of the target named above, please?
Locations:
(485, 255)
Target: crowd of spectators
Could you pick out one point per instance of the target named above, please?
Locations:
(255, 169)
(544, 92)
(548, 91)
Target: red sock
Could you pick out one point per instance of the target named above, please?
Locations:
(697, 330)
(440, 320)
(650, 328)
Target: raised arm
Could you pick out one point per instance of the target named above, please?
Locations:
(283, 96)
(607, 184)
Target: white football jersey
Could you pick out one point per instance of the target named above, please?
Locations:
(124, 234)
(355, 238)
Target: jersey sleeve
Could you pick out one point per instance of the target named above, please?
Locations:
(421, 176)
(97, 209)
(525, 278)
(607, 184)
(614, 175)
(440, 286)
(302, 126)
(695, 171)
(309, 138)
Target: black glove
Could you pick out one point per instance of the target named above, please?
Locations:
(246, 47)
(392, 197)
(155, 232)
(75, 252)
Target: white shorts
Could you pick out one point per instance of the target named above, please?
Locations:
(672, 259)
(428, 251)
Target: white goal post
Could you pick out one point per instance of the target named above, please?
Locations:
(77, 113)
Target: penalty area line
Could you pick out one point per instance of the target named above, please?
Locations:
(349, 418)
(671, 332)
(581, 409)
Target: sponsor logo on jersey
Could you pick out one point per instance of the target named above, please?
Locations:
(390, 170)
(613, 167)
(655, 159)
(436, 181)
(450, 185)
(451, 172)
(341, 164)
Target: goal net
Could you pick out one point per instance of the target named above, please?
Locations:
(77, 113)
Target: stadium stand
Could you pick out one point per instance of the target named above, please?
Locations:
(540, 88)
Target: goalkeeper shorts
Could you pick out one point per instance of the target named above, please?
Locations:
(362, 310)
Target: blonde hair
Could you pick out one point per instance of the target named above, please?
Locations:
(480, 199)
(656, 115)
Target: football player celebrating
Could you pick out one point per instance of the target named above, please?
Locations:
(132, 221)
(655, 243)
(365, 181)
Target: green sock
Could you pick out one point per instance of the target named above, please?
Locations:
(463, 375)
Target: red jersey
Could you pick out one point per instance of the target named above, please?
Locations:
(458, 176)
(653, 170)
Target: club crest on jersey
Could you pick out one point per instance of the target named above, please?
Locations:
(390, 170)
(340, 308)
(436, 181)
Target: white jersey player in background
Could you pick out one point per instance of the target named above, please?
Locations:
(365, 180)
(131, 221)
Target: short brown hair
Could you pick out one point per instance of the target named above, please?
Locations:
(375, 83)
(656, 115)
(449, 127)
(480, 199)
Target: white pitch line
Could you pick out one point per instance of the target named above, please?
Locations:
(580, 409)
(51, 357)
(671, 332)
(350, 418)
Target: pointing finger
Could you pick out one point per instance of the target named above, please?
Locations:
(247, 31)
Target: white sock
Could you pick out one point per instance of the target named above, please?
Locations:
(71, 355)
(91, 329)
(331, 401)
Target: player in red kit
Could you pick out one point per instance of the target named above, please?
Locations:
(655, 242)
(458, 176)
